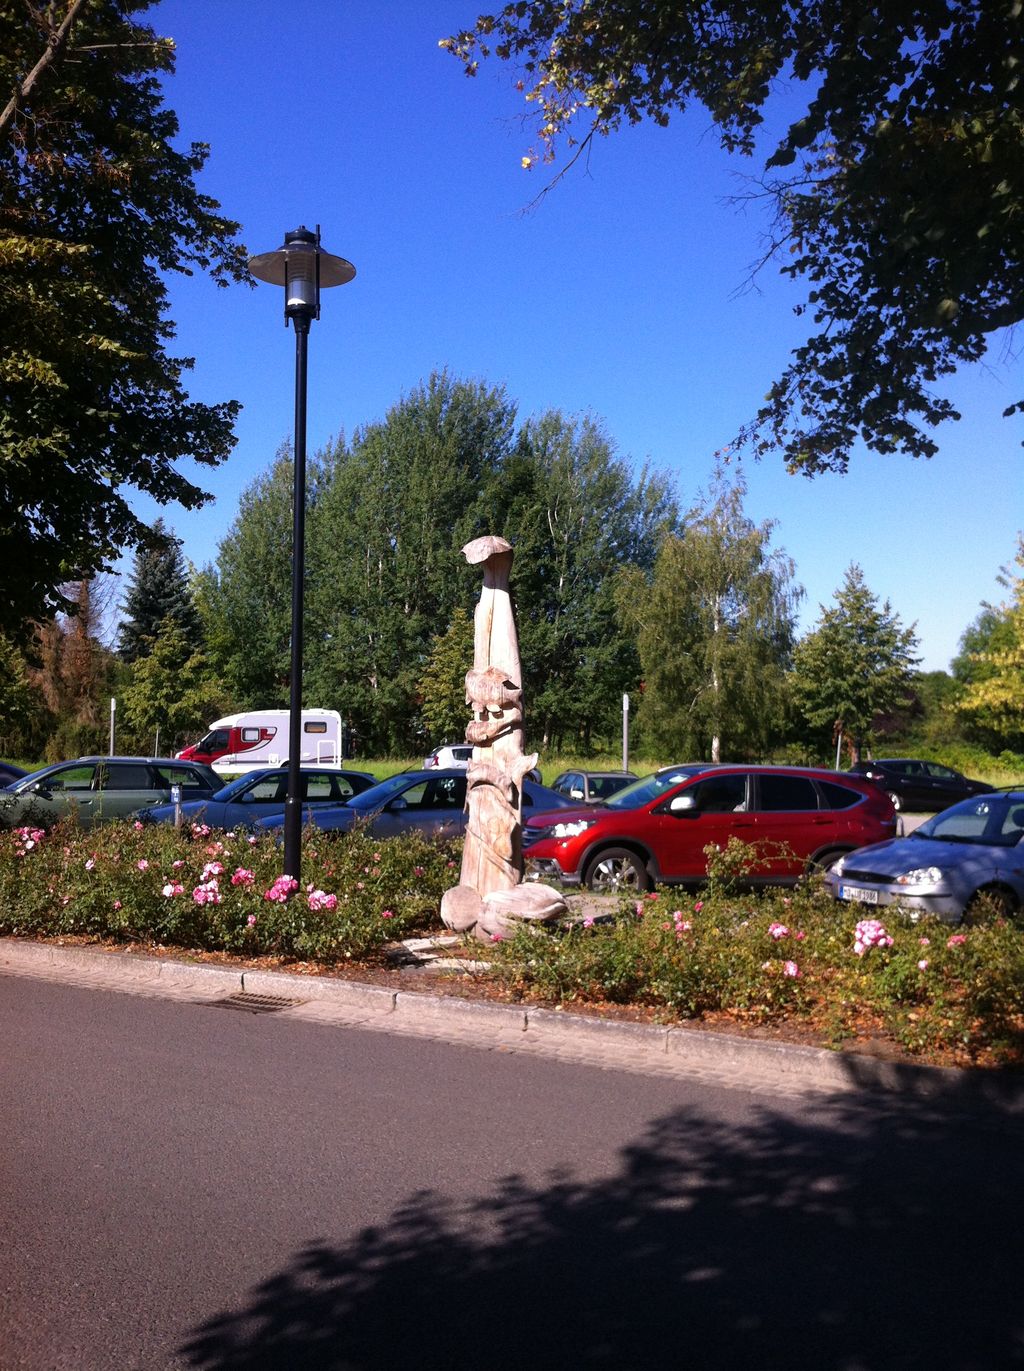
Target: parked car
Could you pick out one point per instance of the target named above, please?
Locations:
(917, 785)
(97, 789)
(449, 756)
(261, 795)
(592, 787)
(431, 801)
(9, 773)
(969, 856)
(656, 829)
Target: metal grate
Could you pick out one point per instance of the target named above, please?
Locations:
(255, 1004)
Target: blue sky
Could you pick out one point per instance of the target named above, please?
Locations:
(621, 294)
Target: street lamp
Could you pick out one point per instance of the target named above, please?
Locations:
(302, 267)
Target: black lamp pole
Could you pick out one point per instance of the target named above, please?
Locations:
(302, 267)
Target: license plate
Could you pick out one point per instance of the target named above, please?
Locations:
(853, 892)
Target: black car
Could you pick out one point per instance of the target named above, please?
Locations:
(917, 785)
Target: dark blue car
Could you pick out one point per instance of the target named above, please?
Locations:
(257, 795)
(434, 802)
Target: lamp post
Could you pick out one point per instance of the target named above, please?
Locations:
(302, 267)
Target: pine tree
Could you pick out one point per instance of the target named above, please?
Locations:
(857, 663)
(157, 592)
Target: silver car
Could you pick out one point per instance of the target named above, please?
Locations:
(966, 858)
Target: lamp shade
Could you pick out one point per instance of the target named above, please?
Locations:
(302, 267)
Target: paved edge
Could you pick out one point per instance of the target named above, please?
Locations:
(791, 1065)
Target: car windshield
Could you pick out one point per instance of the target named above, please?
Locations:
(379, 794)
(987, 821)
(240, 783)
(650, 788)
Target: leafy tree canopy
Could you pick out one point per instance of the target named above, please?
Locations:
(994, 697)
(857, 663)
(714, 624)
(898, 194)
(96, 205)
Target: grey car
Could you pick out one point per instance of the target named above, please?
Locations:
(966, 858)
(98, 789)
(431, 802)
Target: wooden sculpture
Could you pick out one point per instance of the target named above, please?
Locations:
(490, 895)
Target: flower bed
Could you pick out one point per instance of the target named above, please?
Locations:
(795, 960)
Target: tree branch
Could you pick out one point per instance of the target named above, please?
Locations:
(55, 44)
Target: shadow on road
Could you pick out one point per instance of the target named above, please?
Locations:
(865, 1234)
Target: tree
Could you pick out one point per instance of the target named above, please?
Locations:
(994, 698)
(172, 692)
(386, 571)
(714, 625)
(576, 515)
(904, 205)
(442, 686)
(245, 598)
(857, 663)
(74, 672)
(96, 206)
(158, 591)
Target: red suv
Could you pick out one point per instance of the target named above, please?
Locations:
(655, 831)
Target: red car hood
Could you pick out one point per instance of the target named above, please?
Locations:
(570, 815)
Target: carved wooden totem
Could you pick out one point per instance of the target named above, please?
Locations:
(490, 894)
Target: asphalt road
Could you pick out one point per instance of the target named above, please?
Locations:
(187, 1186)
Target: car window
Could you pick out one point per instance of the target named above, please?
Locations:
(603, 786)
(318, 787)
(69, 778)
(719, 794)
(448, 792)
(124, 776)
(267, 791)
(776, 793)
(838, 796)
(183, 776)
(942, 773)
(342, 788)
(987, 821)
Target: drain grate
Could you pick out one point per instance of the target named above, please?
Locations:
(255, 1004)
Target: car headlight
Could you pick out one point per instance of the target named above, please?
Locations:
(921, 875)
(573, 829)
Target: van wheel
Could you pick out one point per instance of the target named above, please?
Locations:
(616, 869)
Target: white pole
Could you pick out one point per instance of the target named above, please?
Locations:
(113, 718)
(625, 732)
(839, 748)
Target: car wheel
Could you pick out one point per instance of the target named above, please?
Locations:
(897, 802)
(817, 866)
(992, 902)
(616, 869)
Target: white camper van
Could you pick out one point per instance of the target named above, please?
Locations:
(259, 737)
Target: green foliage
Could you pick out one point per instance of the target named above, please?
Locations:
(245, 601)
(855, 664)
(903, 207)
(714, 627)
(442, 687)
(139, 885)
(993, 696)
(158, 593)
(576, 516)
(171, 688)
(96, 204)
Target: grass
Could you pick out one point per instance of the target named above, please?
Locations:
(780, 962)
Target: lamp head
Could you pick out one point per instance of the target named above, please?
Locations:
(302, 267)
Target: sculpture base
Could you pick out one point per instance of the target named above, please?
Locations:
(495, 915)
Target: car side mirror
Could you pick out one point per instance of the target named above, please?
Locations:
(41, 788)
(683, 804)
(398, 804)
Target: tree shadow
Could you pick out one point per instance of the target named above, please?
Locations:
(863, 1234)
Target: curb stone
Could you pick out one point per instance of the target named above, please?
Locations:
(685, 1049)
